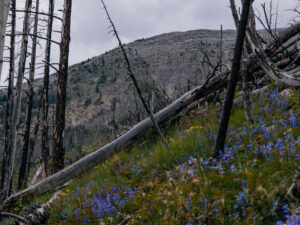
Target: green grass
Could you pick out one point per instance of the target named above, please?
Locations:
(181, 185)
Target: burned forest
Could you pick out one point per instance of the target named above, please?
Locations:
(197, 126)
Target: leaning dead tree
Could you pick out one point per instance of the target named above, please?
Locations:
(246, 69)
(4, 10)
(30, 82)
(227, 106)
(139, 130)
(59, 127)
(289, 78)
(133, 78)
(9, 167)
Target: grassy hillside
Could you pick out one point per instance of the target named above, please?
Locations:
(149, 184)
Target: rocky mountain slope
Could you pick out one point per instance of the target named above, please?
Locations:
(166, 66)
(101, 100)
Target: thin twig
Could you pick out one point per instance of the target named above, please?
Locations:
(6, 214)
(129, 70)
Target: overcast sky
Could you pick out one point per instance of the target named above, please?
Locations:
(137, 19)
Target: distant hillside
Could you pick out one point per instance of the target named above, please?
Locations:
(166, 66)
(171, 63)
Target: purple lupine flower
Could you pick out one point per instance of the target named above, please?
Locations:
(190, 160)
(285, 209)
(292, 120)
(63, 216)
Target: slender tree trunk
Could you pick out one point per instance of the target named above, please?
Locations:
(45, 98)
(135, 83)
(246, 95)
(24, 159)
(4, 10)
(236, 19)
(58, 148)
(17, 106)
(225, 116)
(245, 72)
(10, 92)
(32, 144)
(114, 103)
(221, 49)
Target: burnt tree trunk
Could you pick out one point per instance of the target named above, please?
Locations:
(245, 72)
(4, 10)
(225, 116)
(32, 144)
(24, 159)
(221, 49)
(10, 91)
(246, 95)
(58, 145)
(8, 173)
(45, 93)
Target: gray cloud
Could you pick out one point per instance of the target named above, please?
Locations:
(136, 19)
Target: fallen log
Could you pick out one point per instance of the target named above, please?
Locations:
(89, 161)
(41, 214)
(285, 35)
(260, 51)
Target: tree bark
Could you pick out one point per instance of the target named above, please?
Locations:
(245, 72)
(285, 35)
(58, 148)
(24, 159)
(225, 116)
(10, 93)
(288, 78)
(246, 96)
(32, 144)
(139, 130)
(4, 10)
(8, 174)
(45, 94)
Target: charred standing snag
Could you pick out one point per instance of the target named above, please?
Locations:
(135, 83)
(59, 127)
(225, 116)
(246, 96)
(45, 94)
(9, 167)
(4, 10)
(10, 91)
(24, 159)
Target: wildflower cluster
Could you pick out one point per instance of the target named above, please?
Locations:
(184, 185)
(95, 203)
